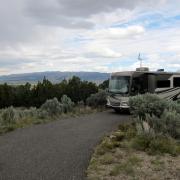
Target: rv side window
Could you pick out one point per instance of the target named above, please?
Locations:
(176, 81)
(163, 83)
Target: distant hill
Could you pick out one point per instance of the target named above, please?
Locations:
(53, 76)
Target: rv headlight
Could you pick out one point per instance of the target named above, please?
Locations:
(124, 103)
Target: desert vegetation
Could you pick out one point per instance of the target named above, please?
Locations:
(12, 118)
(35, 95)
(148, 147)
(48, 102)
(155, 116)
(97, 100)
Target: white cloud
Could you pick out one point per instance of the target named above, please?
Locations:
(118, 16)
(85, 35)
(100, 51)
(116, 33)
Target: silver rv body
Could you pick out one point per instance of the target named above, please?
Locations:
(122, 85)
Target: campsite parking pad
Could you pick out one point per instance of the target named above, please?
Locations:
(59, 150)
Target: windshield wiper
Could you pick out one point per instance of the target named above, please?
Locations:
(118, 92)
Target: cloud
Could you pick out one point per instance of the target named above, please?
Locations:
(102, 52)
(104, 35)
(14, 26)
(23, 21)
(76, 14)
(81, 8)
(117, 33)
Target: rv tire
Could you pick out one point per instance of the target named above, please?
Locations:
(117, 110)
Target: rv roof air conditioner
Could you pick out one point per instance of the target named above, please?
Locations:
(142, 69)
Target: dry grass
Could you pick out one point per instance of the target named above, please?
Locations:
(112, 161)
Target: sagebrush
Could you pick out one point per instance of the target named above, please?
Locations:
(12, 118)
(98, 99)
(154, 115)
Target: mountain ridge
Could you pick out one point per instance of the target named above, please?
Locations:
(53, 76)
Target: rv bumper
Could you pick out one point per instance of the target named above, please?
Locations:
(120, 105)
(117, 107)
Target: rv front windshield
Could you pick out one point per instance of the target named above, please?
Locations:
(119, 84)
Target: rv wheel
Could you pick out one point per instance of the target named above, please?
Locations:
(117, 110)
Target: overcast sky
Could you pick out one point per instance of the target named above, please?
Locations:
(88, 35)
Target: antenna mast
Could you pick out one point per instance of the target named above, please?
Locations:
(140, 60)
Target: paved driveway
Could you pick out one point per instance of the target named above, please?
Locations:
(58, 150)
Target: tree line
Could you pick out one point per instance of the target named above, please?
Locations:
(35, 95)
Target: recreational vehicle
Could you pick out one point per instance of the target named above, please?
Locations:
(122, 85)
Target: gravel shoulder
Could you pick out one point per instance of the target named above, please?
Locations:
(58, 150)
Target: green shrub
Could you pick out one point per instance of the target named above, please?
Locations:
(142, 126)
(162, 145)
(178, 101)
(151, 104)
(42, 114)
(125, 168)
(170, 124)
(128, 129)
(167, 124)
(125, 126)
(81, 104)
(8, 119)
(67, 104)
(155, 144)
(25, 113)
(98, 99)
(173, 106)
(52, 107)
(156, 116)
(108, 145)
(9, 116)
(141, 142)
